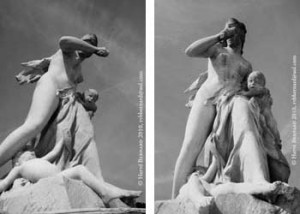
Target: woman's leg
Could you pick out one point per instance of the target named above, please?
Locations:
(91, 160)
(44, 103)
(198, 127)
(106, 191)
(253, 160)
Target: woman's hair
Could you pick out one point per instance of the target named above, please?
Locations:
(241, 30)
(90, 38)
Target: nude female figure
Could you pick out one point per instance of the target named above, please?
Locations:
(226, 69)
(64, 72)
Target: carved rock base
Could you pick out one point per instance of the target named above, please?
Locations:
(49, 194)
(232, 204)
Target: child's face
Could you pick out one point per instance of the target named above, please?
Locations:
(91, 96)
(255, 81)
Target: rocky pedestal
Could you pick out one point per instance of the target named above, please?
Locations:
(232, 204)
(49, 194)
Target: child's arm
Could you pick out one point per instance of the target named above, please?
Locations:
(90, 106)
(254, 92)
(54, 152)
(211, 171)
(10, 178)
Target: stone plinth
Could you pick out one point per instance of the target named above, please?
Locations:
(233, 204)
(49, 194)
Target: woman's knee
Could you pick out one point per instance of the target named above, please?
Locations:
(242, 117)
(80, 171)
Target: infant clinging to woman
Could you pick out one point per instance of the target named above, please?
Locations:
(261, 98)
(88, 99)
(260, 103)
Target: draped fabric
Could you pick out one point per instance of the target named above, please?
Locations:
(227, 142)
(70, 123)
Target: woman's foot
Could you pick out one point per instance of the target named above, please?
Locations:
(273, 190)
(281, 188)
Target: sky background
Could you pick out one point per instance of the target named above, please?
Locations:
(272, 40)
(31, 29)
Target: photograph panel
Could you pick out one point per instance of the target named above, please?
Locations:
(205, 52)
(72, 115)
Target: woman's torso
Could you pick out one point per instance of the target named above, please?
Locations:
(227, 69)
(64, 70)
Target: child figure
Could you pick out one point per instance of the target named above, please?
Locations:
(27, 166)
(260, 98)
(88, 99)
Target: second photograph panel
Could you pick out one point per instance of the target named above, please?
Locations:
(226, 106)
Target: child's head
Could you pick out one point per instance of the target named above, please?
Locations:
(25, 154)
(91, 95)
(256, 79)
(22, 157)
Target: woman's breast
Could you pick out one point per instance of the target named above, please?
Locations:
(231, 73)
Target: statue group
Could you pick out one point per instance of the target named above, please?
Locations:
(57, 137)
(231, 120)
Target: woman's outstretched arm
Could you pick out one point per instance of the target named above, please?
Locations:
(43, 105)
(71, 44)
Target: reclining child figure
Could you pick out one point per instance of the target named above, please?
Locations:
(27, 166)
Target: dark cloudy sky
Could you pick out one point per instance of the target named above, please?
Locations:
(30, 30)
(272, 40)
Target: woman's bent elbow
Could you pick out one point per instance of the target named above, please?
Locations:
(64, 43)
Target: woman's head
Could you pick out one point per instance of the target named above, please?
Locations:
(90, 38)
(239, 25)
(240, 33)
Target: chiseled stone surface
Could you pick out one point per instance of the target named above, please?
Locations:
(184, 207)
(245, 204)
(233, 204)
(174, 206)
(49, 194)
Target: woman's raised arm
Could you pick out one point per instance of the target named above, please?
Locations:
(206, 47)
(71, 44)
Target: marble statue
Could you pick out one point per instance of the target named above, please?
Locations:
(231, 118)
(58, 124)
